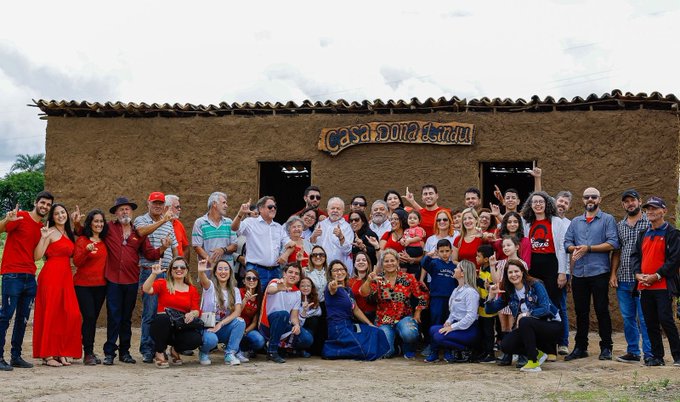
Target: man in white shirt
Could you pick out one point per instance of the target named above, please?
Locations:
(335, 235)
(379, 222)
(265, 239)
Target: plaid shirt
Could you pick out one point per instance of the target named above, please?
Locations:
(627, 237)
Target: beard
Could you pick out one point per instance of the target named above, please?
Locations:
(591, 207)
(633, 212)
(125, 220)
(379, 220)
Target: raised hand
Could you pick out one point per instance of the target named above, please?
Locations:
(281, 285)
(495, 209)
(245, 209)
(168, 215)
(409, 196)
(248, 296)
(166, 241)
(76, 216)
(497, 193)
(92, 247)
(492, 260)
(157, 269)
(203, 266)
(45, 231)
(374, 242)
(536, 172)
(337, 231)
(12, 215)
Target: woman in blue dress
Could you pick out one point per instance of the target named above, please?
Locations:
(346, 339)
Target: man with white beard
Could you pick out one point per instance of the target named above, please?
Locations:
(335, 235)
(123, 245)
(379, 222)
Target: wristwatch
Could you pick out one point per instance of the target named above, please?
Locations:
(658, 277)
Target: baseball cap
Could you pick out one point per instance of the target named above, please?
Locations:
(157, 196)
(631, 192)
(655, 202)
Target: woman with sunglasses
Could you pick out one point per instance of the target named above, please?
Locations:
(347, 340)
(251, 297)
(222, 298)
(175, 292)
(364, 238)
(317, 273)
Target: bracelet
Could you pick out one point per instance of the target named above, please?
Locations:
(589, 249)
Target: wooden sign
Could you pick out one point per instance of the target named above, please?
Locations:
(334, 140)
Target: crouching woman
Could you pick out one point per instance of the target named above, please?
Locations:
(537, 320)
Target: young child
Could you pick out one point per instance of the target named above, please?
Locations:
(510, 246)
(310, 311)
(442, 284)
(413, 240)
(486, 321)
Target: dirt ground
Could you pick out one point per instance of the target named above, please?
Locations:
(317, 379)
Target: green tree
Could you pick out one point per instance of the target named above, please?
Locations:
(29, 163)
(20, 188)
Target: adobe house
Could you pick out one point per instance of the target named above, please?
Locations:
(97, 151)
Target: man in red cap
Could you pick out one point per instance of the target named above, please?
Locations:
(157, 225)
(656, 260)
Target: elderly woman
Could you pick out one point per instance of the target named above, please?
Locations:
(346, 340)
(310, 217)
(393, 290)
(460, 330)
(222, 298)
(301, 248)
(364, 238)
(176, 295)
(537, 319)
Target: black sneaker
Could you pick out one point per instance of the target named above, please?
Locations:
(4, 366)
(653, 361)
(605, 354)
(505, 360)
(20, 363)
(628, 358)
(577, 353)
(127, 358)
(275, 357)
(108, 360)
(676, 363)
(147, 359)
(488, 358)
(463, 357)
(521, 361)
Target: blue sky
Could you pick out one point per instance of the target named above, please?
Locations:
(214, 51)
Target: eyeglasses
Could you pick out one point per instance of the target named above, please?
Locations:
(317, 255)
(179, 267)
(314, 197)
(442, 219)
(359, 204)
(590, 197)
(352, 220)
(251, 278)
(539, 202)
(334, 270)
(270, 207)
(178, 207)
(222, 269)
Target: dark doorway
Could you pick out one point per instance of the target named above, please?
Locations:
(286, 181)
(506, 175)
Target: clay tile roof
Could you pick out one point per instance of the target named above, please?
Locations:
(615, 100)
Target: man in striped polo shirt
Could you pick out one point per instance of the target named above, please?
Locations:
(656, 260)
(160, 219)
(211, 236)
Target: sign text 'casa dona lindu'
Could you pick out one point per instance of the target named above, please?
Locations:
(334, 140)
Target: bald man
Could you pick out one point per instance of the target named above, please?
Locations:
(590, 238)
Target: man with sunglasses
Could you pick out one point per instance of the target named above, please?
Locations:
(265, 239)
(358, 204)
(312, 198)
(590, 239)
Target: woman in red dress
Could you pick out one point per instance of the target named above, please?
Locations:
(57, 319)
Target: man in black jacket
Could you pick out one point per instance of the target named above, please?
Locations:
(656, 260)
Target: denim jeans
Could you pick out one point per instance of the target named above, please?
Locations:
(633, 321)
(406, 329)
(120, 303)
(18, 292)
(229, 334)
(279, 324)
(149, 307)
(266, 275)
(564, 339)
(253, 340)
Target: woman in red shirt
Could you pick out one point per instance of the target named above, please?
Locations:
(89, 258)
(251, 296)
(175, 292)
(390, 240)
(362, 267)
(466, 244)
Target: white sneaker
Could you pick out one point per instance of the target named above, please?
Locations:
(204, 359)
(241, 357)
(231, 360)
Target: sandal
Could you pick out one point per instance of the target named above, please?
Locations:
(63, 360)
(160, 363)
(175, 357)
(51, 362)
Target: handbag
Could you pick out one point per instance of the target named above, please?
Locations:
(208, 319)
(177, 320)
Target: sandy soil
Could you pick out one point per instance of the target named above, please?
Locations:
(316, 379)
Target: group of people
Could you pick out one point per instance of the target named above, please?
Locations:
(476, 284)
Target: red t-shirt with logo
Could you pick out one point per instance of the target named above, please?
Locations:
(541, 237)
(23, 236)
